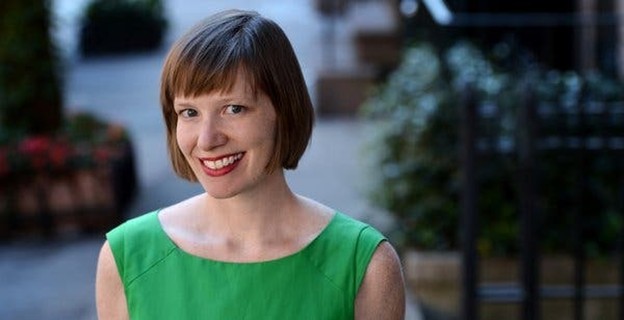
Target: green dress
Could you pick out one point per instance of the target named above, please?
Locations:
(320, 281)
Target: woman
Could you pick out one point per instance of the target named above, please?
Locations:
(238, 113)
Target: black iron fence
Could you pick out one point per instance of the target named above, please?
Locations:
(585, 134)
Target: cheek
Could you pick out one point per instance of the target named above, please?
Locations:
(185, 141)
(270, 126)
(268, 133)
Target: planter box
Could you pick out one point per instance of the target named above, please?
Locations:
(435, 279)
(380, 49)
(83, 199)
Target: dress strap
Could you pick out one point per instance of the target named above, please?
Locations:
(343, 251)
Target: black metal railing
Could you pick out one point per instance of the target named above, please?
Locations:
(538, 132)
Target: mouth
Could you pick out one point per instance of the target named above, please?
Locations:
(221, 165)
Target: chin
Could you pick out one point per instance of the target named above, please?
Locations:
(219, 193)
(221, 196)
(222, 191)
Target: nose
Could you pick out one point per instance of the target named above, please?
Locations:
(211, 135)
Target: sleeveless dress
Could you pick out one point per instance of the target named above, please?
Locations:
(320, 281)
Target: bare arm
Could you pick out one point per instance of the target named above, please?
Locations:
(110, 297)
(382, 292)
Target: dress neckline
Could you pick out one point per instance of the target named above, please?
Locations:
(165, 236)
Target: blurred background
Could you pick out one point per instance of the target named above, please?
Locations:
(485, 138)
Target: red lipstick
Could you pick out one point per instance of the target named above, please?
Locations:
(220, 166)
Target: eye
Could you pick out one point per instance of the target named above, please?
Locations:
(188, 113)
(234, 109)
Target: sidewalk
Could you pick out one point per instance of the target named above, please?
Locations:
(56, 280)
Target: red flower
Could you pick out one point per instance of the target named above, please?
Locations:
(35, 149)
(59, 154)
(34, 145)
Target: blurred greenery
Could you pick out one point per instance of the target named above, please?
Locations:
(32, 124)
(417, 149)
(35, 135)
(122, 26)
(30, 82)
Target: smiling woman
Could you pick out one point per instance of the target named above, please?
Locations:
(238, 114)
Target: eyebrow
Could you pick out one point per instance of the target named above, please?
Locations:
(223, 100)
(182, 104)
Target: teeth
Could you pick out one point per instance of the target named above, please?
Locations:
(219, 164)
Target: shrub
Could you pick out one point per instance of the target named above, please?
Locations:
(416, 150)
(121, 26)
(30, 85)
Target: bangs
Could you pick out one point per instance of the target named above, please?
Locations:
(196, 75)
(212, 55)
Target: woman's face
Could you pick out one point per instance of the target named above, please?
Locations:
(227, 138)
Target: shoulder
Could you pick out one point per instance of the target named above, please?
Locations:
(350, 243)
(137, 244)
(385, 264)
(142, 225)
(363, 236)
(376, 282)
(382, 292)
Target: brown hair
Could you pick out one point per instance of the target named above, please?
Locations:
(208, 58)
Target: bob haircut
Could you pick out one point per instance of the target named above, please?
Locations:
(208, 59)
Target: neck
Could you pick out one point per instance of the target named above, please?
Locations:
(256, 215)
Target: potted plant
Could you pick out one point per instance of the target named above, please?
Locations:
(42, 151)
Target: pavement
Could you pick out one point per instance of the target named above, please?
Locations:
(54, 279)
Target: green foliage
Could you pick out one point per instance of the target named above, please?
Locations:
(560, 170)
(121, 26)
(416, 150)
(30, 85)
